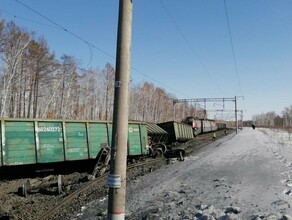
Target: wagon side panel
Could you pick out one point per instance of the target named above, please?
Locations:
(50, 135)
(98, 138)
(1, 144)
(76, 141)
(137, 139)
(20, 143)
(178, 131)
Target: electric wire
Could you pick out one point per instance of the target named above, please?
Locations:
(15, 16)
(232, 46)
(93, 46)
(65, 29)
(188, 43)
(106, 53)
(174, 90)
(89, 45)
(90, 58)
(26, 19)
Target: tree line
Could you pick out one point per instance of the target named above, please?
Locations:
(271, 119)
(34, 84)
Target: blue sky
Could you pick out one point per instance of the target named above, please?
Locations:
(181, 46)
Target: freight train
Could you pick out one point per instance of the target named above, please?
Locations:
(201, 126)
(45, 141)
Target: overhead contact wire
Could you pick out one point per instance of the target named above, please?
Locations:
(92, 45)
(232, 46)
(189, 44)
(65, 29)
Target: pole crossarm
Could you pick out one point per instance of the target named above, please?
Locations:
(233, 99)
(223, 110)
(205, 100)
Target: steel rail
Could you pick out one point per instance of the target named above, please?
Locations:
(73, 195)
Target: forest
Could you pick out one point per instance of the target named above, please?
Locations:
(34, 84)
(271, 119)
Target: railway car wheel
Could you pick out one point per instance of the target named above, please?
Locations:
(157, 153)
(160, 146)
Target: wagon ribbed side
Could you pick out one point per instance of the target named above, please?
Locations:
(31, 141)
(178, 132)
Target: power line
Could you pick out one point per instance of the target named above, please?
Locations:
(188, 43)
(26, 19)
(138, 71)
(36, 22)
(92, 45)
(232, 46)
(65, 29)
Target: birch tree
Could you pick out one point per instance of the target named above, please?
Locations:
(16, 42)
(68, 88)
(41, 64)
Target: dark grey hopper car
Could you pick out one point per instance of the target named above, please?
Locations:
(178, 132)
(156, 134)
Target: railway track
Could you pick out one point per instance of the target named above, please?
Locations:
(202, 140)
(38, 203)
(86, 186)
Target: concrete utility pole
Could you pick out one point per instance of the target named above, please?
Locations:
(241, 119)
(117, 176)
(236, 122)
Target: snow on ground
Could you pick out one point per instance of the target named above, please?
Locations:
(251, 170)
(243, 176)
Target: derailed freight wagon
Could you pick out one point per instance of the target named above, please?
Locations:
(178, 132)
(156, 134)
(30, 141)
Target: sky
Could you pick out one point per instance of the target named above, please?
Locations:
(191, 48)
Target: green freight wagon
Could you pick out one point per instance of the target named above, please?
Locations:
(178, 132)
(31, 141)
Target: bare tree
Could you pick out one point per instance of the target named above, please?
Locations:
(16, 43)
(34, 84)
(69, 87)
(41, 64)
(108, 74)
